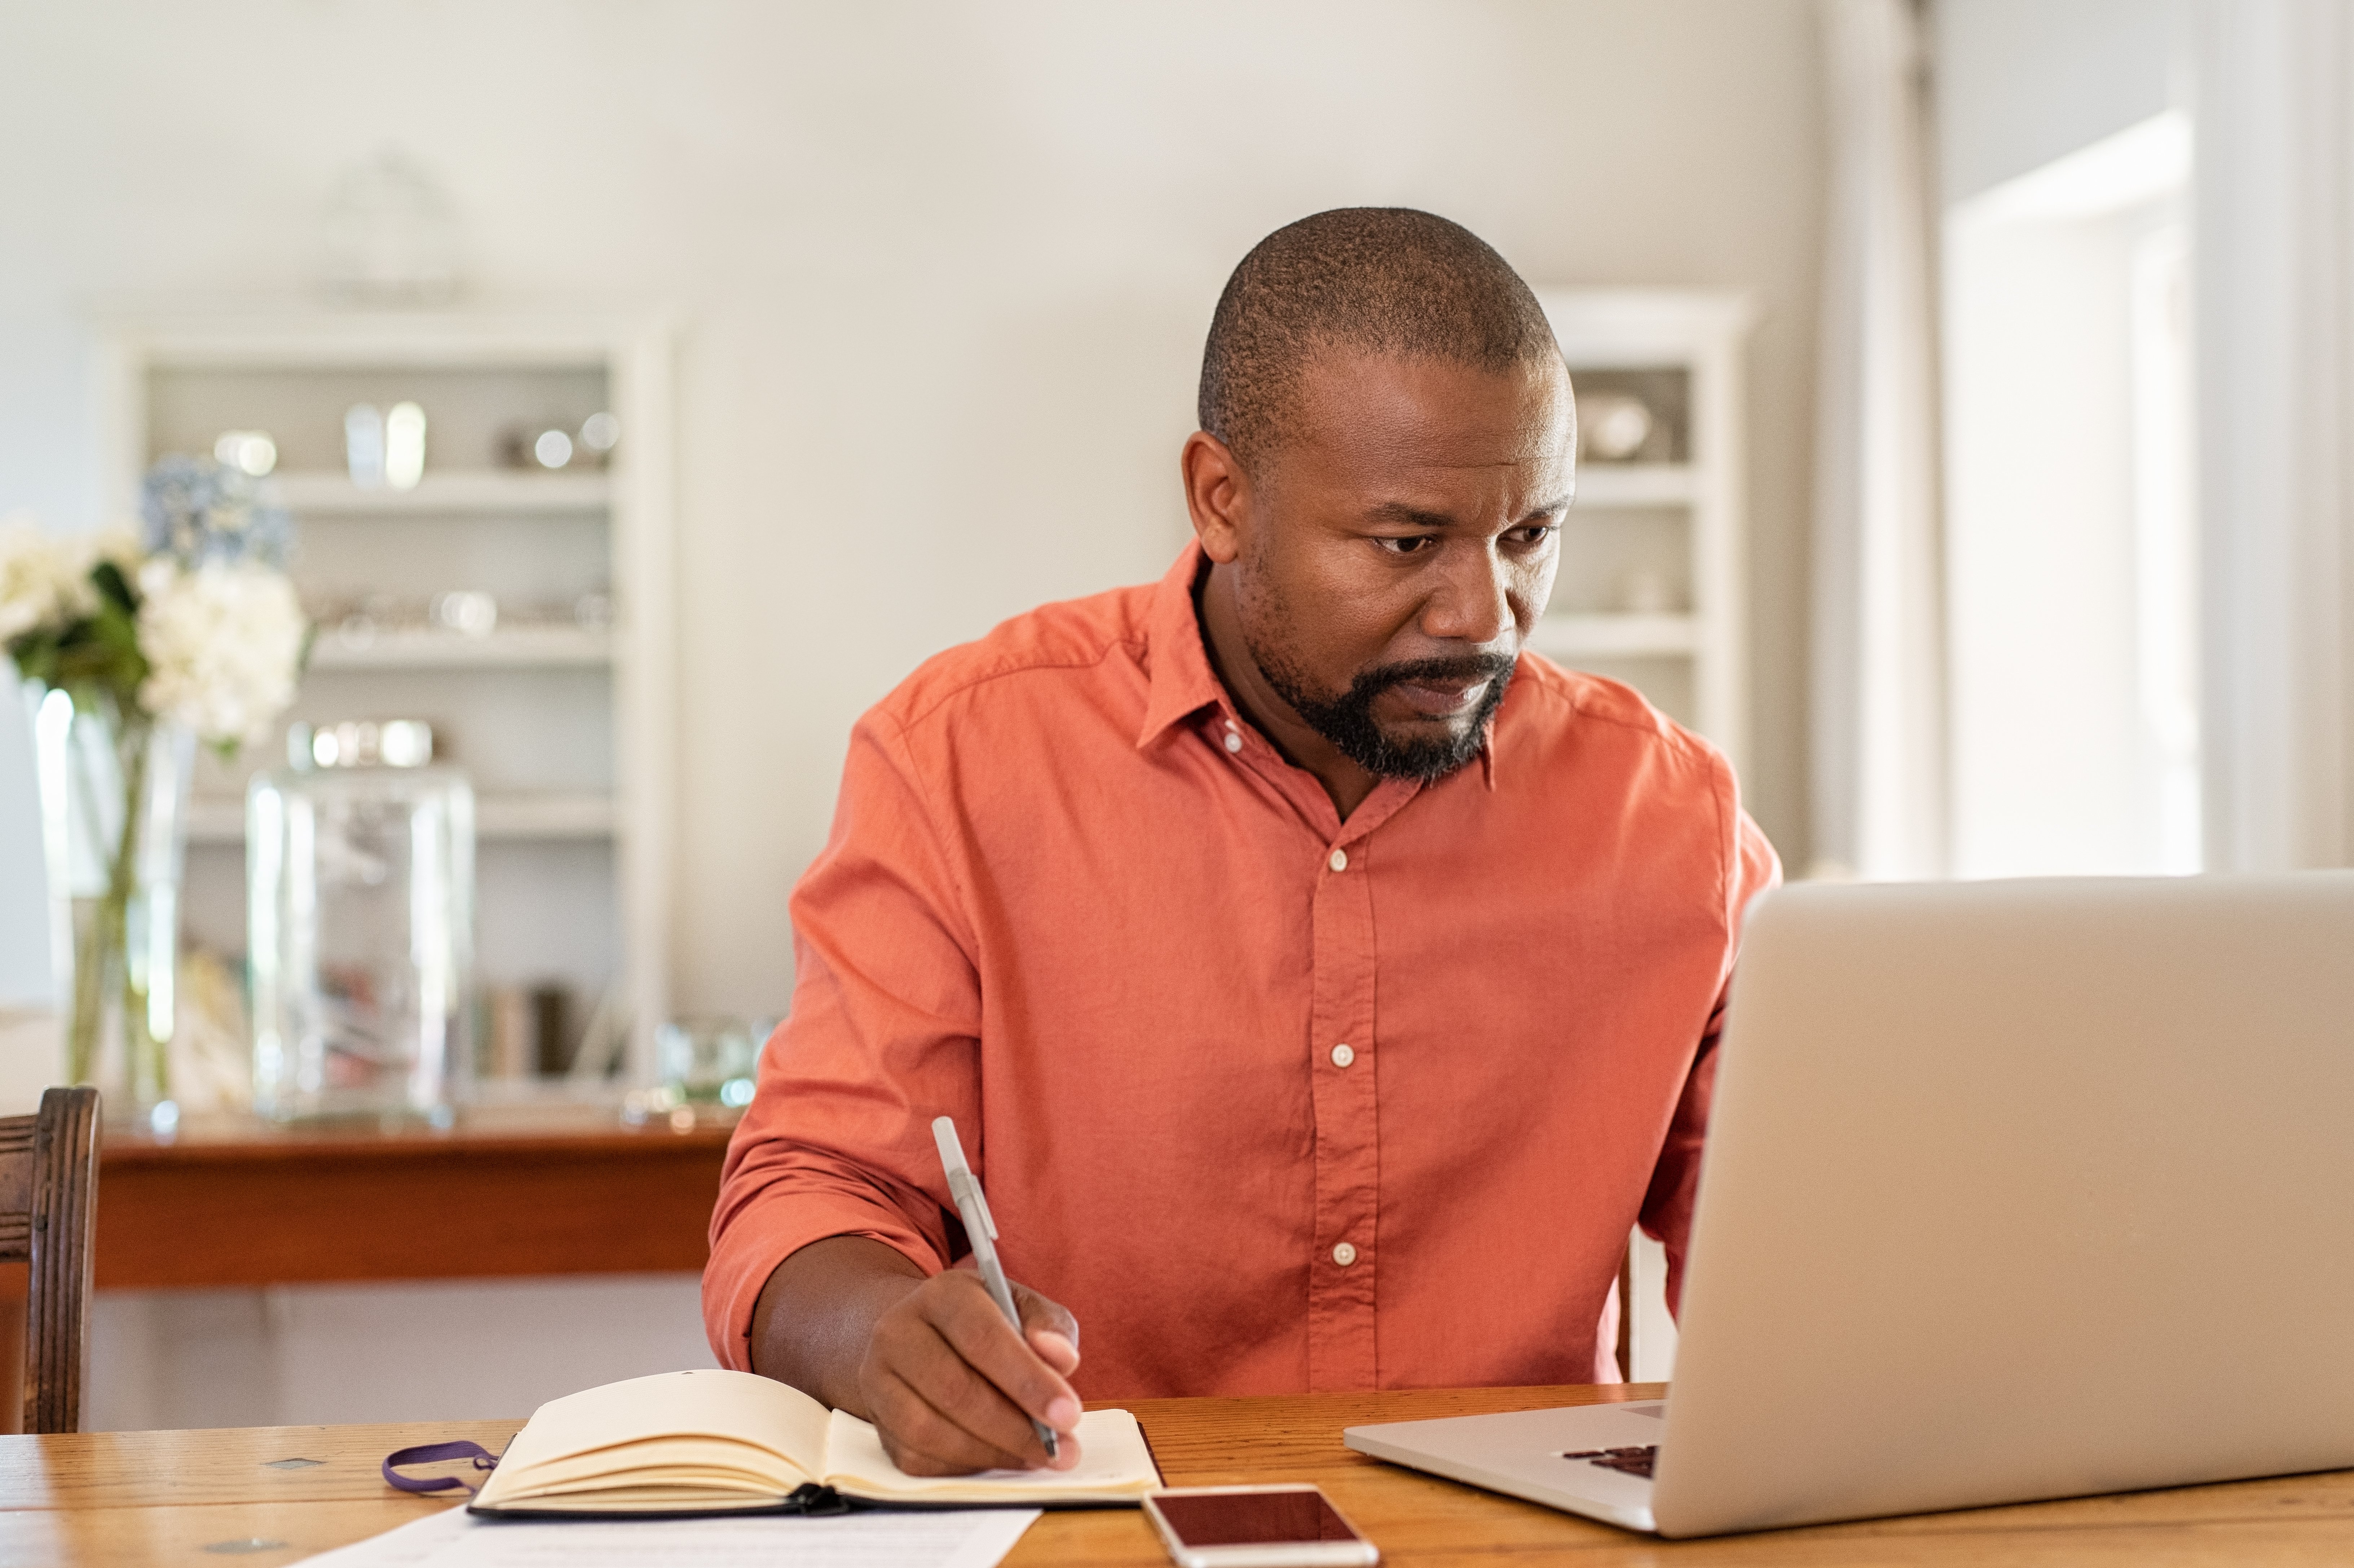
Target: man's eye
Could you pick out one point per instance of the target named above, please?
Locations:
(1536, 534)
(1412, 544)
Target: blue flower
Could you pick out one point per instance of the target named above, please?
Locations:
(198, 510)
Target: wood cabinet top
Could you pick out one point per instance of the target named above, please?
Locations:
(548, 1129)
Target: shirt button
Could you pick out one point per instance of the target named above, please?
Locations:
(1342, 1055)
(1339, 861)
(1345, 1254)
(1233, 740)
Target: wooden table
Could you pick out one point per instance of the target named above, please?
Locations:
(136, 1498)
(527, 1190)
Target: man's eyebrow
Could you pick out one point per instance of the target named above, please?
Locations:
(1412, 517)
(1417, 517)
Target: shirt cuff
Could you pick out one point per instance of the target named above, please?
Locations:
(771, 1226)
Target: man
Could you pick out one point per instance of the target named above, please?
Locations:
(1323, 984)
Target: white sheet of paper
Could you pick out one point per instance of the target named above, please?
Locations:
(974, 1538)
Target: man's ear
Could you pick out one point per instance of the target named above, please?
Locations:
(1217, 495)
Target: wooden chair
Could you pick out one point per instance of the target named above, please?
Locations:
(48, 1201)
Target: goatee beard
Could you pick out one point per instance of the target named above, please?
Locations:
(1347, 719)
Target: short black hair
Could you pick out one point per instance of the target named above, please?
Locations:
(1381, 279)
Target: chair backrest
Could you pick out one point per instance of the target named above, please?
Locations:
(49, 1203)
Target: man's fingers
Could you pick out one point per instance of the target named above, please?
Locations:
(978, 1332)
(923, 1441)
(953, 1387)
(982, 1405)
(912, 1348)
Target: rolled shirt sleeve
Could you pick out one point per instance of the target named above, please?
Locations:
(882, 1038)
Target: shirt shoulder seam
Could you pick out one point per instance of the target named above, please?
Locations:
(1008, 672)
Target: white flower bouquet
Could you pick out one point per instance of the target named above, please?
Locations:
(191, 631)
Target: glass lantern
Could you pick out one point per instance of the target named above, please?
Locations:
(360, 885)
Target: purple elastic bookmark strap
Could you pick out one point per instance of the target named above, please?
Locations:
(434, 1454)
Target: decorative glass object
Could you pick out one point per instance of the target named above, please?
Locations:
(114, 801)
(392, 235)
(360, 877)
(706, 1060)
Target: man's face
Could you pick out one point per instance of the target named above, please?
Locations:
(1396, 550)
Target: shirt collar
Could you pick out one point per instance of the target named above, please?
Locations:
(1182, 682)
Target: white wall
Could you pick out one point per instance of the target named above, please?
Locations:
(2021, 82)
(945, 271)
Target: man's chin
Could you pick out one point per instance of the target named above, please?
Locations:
(1420, 733)
(1428, 750)
(1378, 728)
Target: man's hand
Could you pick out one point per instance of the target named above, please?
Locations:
(931, 1363)
(952, 1388)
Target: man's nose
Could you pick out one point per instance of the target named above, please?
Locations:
(1472, 602)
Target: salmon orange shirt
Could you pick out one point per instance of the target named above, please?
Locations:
(1271, 1101)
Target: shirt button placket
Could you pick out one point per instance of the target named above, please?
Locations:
(1341, 1351)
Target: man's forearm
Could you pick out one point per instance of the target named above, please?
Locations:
(817, 1312)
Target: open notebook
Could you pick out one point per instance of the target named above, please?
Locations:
(724, 1442)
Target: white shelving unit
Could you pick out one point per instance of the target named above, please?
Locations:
(590, 815)
(493, 490)
(563, 720)
(1672, 524)
(408, 649)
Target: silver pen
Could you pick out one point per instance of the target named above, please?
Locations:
(981, 1229)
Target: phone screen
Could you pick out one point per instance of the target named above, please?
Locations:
(1252, 1518)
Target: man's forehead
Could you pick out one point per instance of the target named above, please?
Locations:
(1436, 414)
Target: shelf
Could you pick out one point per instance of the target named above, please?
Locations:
(1637, 484)
(490, 490)
(565, 726)
(1593, 635)
(522, 647)
(502, 817)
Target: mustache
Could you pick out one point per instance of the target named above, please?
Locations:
(1466, 668)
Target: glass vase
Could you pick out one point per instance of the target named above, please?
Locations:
(114, 821)
(360, 884)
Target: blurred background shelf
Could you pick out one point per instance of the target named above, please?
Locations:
(561, 717)
(218, 820)
(493, 490)
(424, 649)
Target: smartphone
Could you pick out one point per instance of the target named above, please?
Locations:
(1257, 1527)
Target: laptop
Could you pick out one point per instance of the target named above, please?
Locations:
(2013, 1190)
